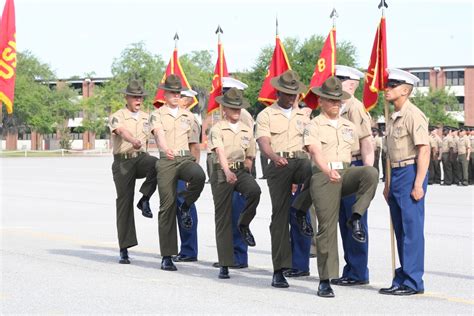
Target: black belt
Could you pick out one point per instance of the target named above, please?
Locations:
(127, 156)
(237, 165)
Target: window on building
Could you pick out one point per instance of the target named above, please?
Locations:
(455, 78)
(424, 79)
(461, 103)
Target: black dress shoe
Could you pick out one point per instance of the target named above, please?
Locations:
(167, 264)
(247, 235)
(235, 266)
(279, 280)
(294, 273)
(144, 206)
(185, 216)
(405, 291)
(124, 259)
(344, 281)
(224, 273)
(182, 258)
(389, 290)
(358, 233)
(324, 289)
(303, 225)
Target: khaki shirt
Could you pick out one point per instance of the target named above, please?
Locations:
(178, 130)
(405, 132)
(247, 119)
(447, 143)
(336, 143)
(354, 111)
(472, 143)
(285, 134)
(196, 131)
(463, 145)
(455, 143)
(139, 127)
(434, 143)
(237, 145)
(440, 142)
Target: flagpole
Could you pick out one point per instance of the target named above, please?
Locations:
(219, 32)
(382, 5)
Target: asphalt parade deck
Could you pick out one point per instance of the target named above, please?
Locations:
(59, 253)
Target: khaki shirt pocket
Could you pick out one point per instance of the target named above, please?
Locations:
(276, 128)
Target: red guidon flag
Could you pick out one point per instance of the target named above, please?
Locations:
(7, 56)
(174, 67)
(219, 72)
(278, 65)
(376, 75)
(325, 68)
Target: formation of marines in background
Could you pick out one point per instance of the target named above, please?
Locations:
(321, 171)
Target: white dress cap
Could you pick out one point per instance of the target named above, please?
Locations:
(348, 72)
(189, 93)
(229, 82)
(402, 76)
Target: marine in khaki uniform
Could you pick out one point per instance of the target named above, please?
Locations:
(409, 153)
(234, 145)
(464, 151)
(434, 153)
(437, 162)
(471, 160)
(356, 254)
(238, 202)
(172, 129)
(447, 153)
(279, 135)
(377, 145)
(188, 249)
(457, 173)
(130, 131)
(331, 139)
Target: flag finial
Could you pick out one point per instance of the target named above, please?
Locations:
(176, 39)
(334, 15)
(219, 30)
(383, 4)
(276, 24)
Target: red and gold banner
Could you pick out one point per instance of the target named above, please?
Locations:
(325, 68)
(219, 72)
(174, 67)
(376, 75)
(7, 56)
(278, 65)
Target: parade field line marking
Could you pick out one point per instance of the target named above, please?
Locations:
(77, 241)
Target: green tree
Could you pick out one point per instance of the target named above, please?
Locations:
(435, 103)
(197, 66)
(31, 96)
(95, 112)
(135, 61)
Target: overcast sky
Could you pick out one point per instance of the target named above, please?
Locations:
(76, 37)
